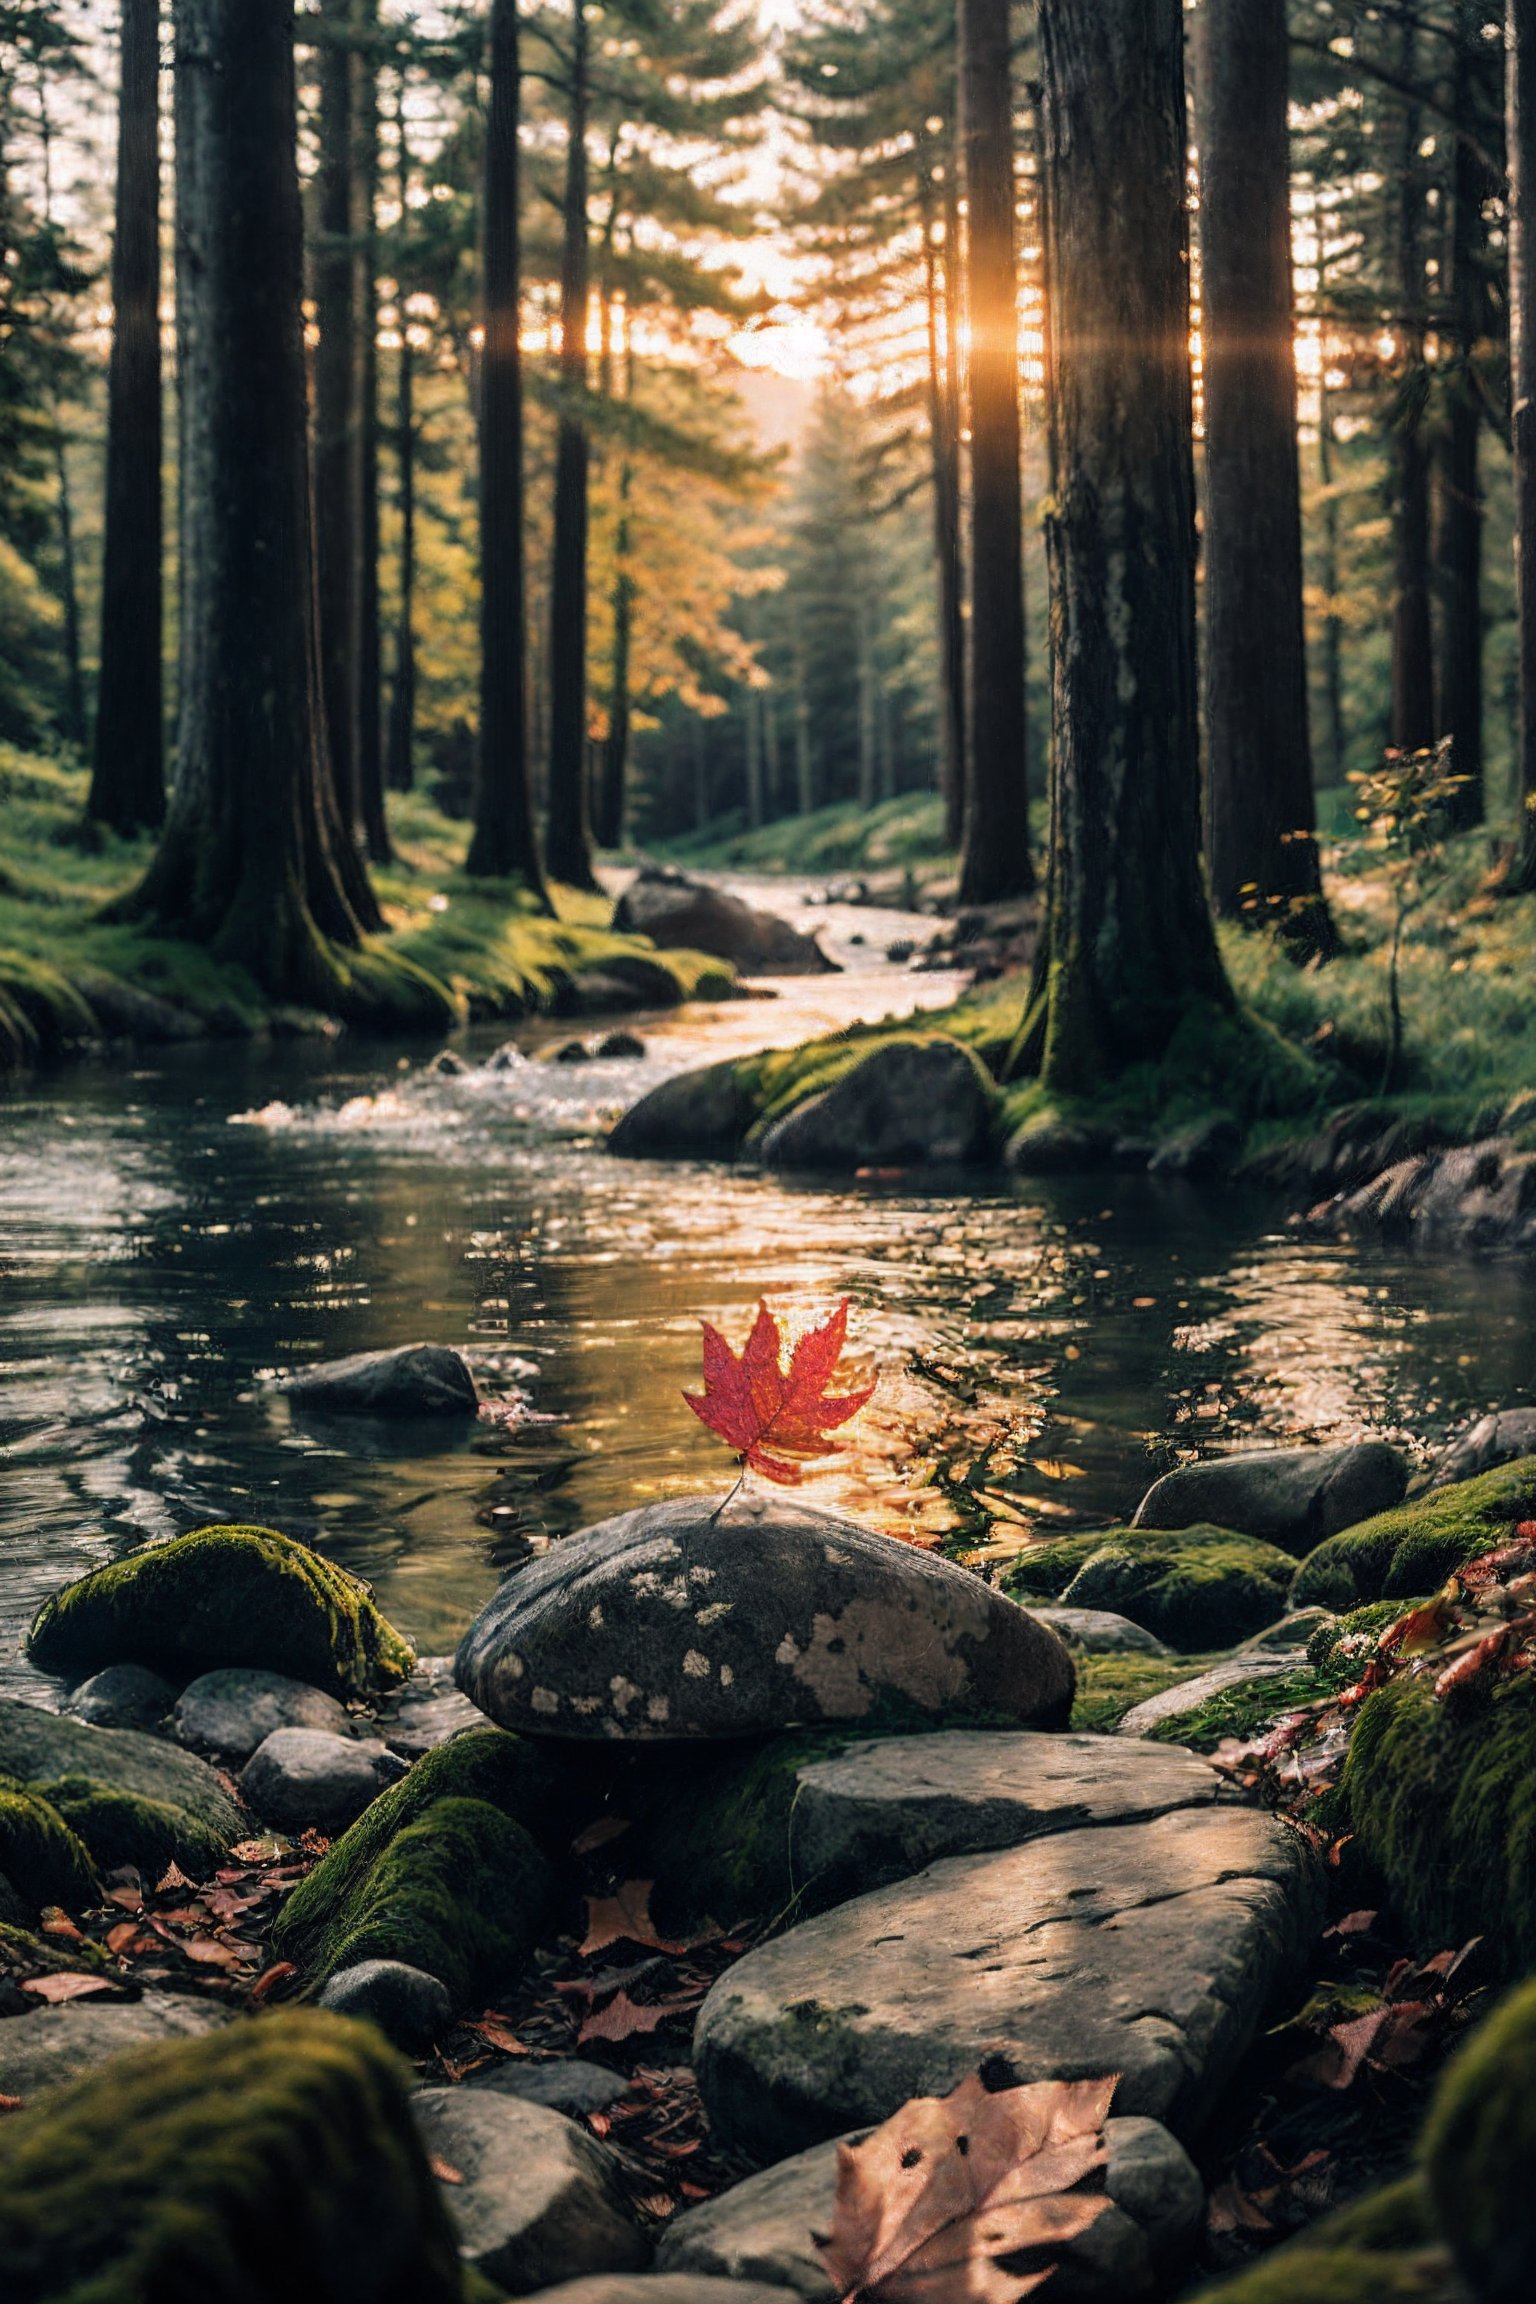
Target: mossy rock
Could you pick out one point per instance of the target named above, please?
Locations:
(441, 1871)
(265, 2160)
(1414, 1547)
(1199, 1588)
(1109, 1686)
(223, 1596)
(1442, 1798)
(23, 1954)
(125, 1828)
(44, 1861)
(1245, 1707)
(50, 1752)
(1348, 1640)
(1384, 2249)
(1479, 2149)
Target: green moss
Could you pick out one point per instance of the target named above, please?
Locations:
(1201, 1588)
(223, 1596)
(1414, 1547)
(842, 838)
(1356, 1633)
(125, 1828)
(1246, 1707)
(23, 1954)
(268, 2159)
(1108, 1686)
(1380, 2250)
(1479, 2150)
(441, 1871)
(44, 1749)
(1442, 1796)
(44, 1861)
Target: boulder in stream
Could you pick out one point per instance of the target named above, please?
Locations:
(302, 1777)
(133, 1799)
(911, 1102)
(1292, 1497)
(691, 915)
(1494, 1439)
(685, 1619)
(406, 1380)
(121, 1696)
(700, 1115)
(229, 1713)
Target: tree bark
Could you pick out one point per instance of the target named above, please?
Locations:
(944, 461)
(365, 270)
(252, 859)
(614, 778)
(1459, 507)
(1520, 57)
(1260, 809)
(337, 442)
(504, 845)
(995, 858)
(752, 703)
(1413, 686)
(128, 761)
(1130, 950)
(400, 746)
(567, 847)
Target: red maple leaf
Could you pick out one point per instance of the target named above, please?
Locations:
(771, 1415)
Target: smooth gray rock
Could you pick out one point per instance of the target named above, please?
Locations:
(619, 1047)
(681, 914)
(882, 1811)
(409, 2007)
(567, 2085)
(1173, 1703)
(1047, 1145)
(656, 2288)
(121, 1696)
(1292, 1497)
(409, 1380)
(761, 2229)
(1151, 1950)
(425, 1710)
(539, 2201)
(699, 1115)
(298, 1777)
(40, 1747)
(231, 1712)
(1468, 1196)
(680, 1620)
(54, 2045)
(908, 1103)
(1100, 1632)
(1497, 1439)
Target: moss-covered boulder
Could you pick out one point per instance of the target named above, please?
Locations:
(1384, 2249)
(126, 1828)
(1442, 1798)
(271, 2159)
(442, 1872)
(1413, 1548)
(137, 1793)
(44, 1861)
(1479, 2152)
(223, 1596)
(1201, 1588)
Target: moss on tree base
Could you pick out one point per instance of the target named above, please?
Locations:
(223, 1596)
(272, 2159)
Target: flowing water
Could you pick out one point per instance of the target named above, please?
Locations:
(174, 1235)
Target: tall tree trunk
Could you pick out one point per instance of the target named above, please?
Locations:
(369, 672)
(995, 858)
(1459, 508)
(1261, 813)
(805, 763)
(866, 680)
(504, 845)
(1130, 949)
(700, 777)
(336, 405)
(128, 762)
(252, 859)
(615, 758)
(1520, 57)
(1413, 683)
(75, 728)
(400, 747)
(752, 702)
(943, 452)
(566, 843)
(1333, 623)
(772, 773)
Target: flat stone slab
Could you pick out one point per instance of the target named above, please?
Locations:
(761, 2229)
(537, 2199)
(55, 2045)
(684, 1620)
(882, 1811)
(1173, 1703)
(1151, 1950)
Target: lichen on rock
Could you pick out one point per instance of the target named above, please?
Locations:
(223, 1596)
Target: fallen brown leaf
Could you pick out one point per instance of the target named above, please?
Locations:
(623, 2018)
(599, 1834)
(624, 1918)
(67, 1984)
(269, 1979)
(498, 2033)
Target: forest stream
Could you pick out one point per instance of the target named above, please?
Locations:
(175, 1234)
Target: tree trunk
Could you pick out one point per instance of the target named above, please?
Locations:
(504, 844)
(567, 847)
(995, 860)
(365, 270)
(1413, 685)
(128, 762)
(252, 859)
(1130, 950)
(1333, 623)
(700, 778)
(752, 704)
(1261, 813)
(943, 450)
(400, 749)
(805, 765)
(1520, 47)
(1459, 509)
(337, 442)
(772, 773)
(615, 759)
(866, 679)
(69, 586)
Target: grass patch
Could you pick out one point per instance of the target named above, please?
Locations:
(894, 836)
(1109, 1686)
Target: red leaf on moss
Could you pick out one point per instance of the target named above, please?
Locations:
(772, 1416)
